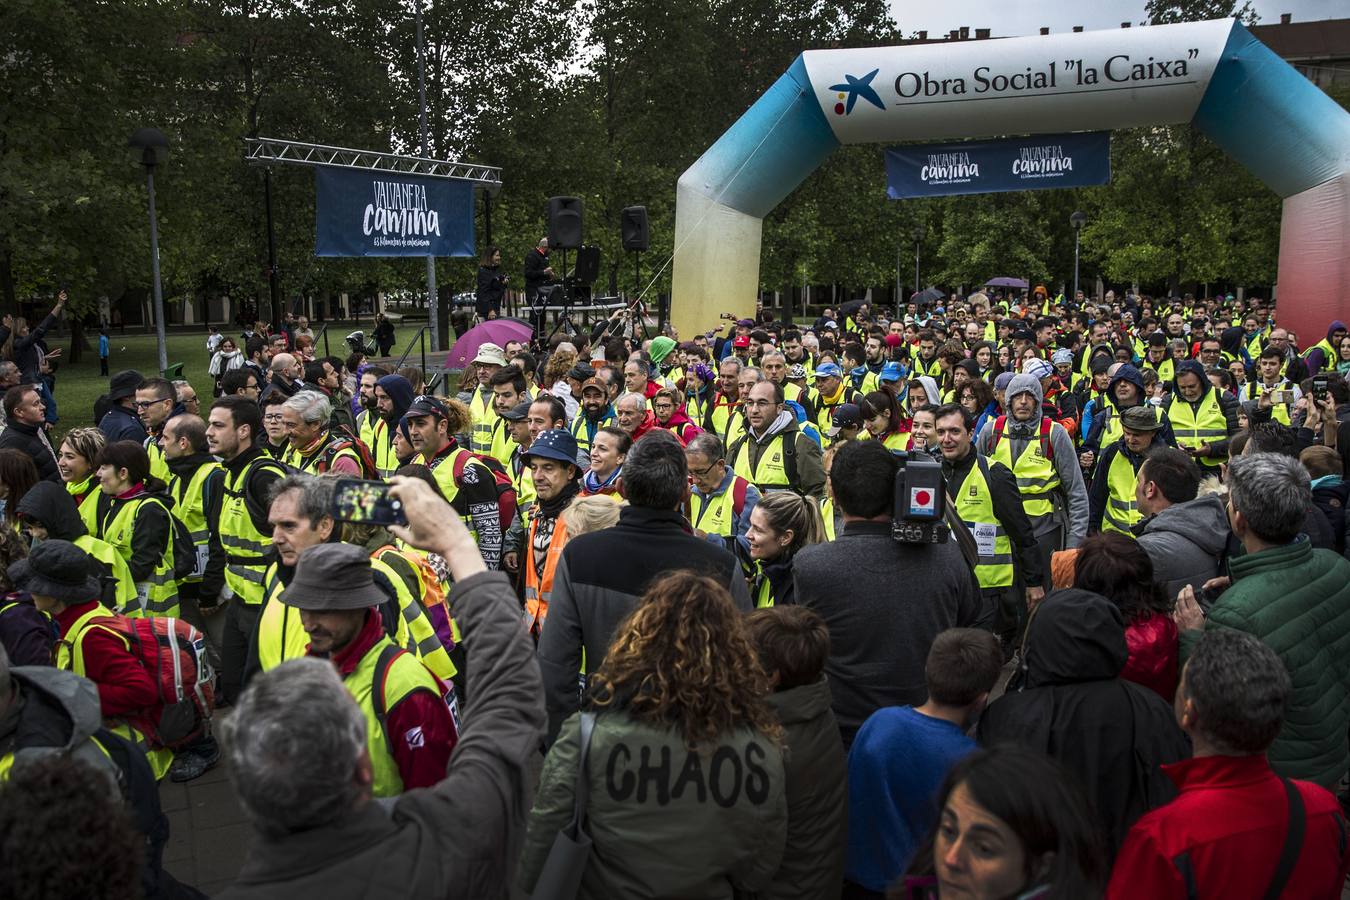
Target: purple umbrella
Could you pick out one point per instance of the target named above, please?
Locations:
(496, 331)
(1006, 282)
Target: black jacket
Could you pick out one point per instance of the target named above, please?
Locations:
(884, 603)
(25, 439)
(535, 278)
(1008, 509)
(151, 532)
(26, 349)
(1068, 702)
(600, 577)
(491, 287)
(1099, 489)
(121, 424)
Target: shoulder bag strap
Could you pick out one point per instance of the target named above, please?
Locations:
(1293, 841)
(582, 792)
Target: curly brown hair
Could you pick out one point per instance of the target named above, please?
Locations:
(559, 364)
(683, 658)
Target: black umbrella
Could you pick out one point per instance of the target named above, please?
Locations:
(927, 295)
(849, 308)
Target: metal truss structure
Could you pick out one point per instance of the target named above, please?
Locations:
(271, 151)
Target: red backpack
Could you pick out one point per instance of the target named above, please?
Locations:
(506, 488)
(1047, 448)
(174, 653)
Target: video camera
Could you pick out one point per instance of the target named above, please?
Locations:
(920, 500)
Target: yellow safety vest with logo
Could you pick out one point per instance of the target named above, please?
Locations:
(382, 448)
(1165, 369)
(716, 514)
(975, 507)
(502, 443)
(1037, 477)
(405, 675)
(189, 505)
(281, 636)
(414, 631)
(125, 594)
(159, 595)
(932, 369)
(770, 472)
(1122, 510)
(1253, 390)
(581, 431)
(484, 416)
(70, 657)
(1329, 356)
(245, 547)
(89, 505)
(1196, 427)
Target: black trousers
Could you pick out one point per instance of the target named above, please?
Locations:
(240, 620)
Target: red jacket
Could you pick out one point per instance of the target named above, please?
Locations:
(1153, 655)
(1228, 827)
(125, 688)
(424, 764)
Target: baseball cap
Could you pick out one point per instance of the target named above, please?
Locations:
(581, 372)
(518, 412)
(593, 383)
(1038, 368)
(831, 323)
(848, 415)
(556, 443)
(490, 355)
(829, 370)
(1023, 334)
(745, 323)
(742, 341)
(427, 405)
(892, 371)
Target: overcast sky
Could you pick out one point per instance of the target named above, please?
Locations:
(1011, 18)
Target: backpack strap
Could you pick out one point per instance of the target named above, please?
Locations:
(1047, 425)
(999, 425)
(377, 686)
(739, 487)
(1293, 842)
(790, 461)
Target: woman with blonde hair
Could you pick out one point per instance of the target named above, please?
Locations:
(591, 512)
(75, 462)
(780, 524)
(684, 767)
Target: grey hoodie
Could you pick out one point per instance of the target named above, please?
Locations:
(1072, 510)
(1186, 542)
(55, 701)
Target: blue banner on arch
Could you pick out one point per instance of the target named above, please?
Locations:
(359, 213)
(986, 167)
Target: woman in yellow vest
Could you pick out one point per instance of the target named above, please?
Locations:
(780, 524)
(47, 512)
(885, 420)
(75, 462)
(139, 526)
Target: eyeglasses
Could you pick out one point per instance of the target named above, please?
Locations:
(699, 473)
(146, 404)
(272, 417)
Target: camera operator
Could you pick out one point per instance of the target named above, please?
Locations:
(884, 601)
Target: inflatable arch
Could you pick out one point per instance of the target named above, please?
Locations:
(1216, 75)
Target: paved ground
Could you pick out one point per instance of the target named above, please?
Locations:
(208, 834)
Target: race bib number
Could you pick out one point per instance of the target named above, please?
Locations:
(984, 538)
(199, 568)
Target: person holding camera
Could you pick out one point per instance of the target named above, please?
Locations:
(884, 601)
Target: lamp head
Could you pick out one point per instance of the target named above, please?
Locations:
(1078, 220)
(152, 144)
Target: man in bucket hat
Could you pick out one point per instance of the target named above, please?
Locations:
(1111, 499)
(551, 459)
(489, 359)
(410, 730)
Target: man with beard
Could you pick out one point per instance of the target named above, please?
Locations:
(391, 394)
(774, 453)
(486, 362)
(509, 389)
(596, 413)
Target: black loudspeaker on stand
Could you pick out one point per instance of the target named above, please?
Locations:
(636, 236)
(564, 223)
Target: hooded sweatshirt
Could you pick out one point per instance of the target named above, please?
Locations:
(55, 714)
(810, 467)
(1318, 359)
(1074, 514)
(1186, 542)
(400, 391)
(1228, 405)
(1068, 701)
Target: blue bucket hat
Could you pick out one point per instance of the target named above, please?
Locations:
(554, 444)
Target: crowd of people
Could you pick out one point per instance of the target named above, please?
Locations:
(645, 624)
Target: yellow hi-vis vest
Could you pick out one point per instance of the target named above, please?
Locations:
(502, 443)
(484, 415)
(1121, 510)
(414, 631)
(189, 506)
(1253, 390)
(159, 595)
(761, 590)
(581, 431)
(159, 467)
(770, 472)
(367, 421)
(975, 507)
(70, 657)
(125, 593)
(1195, 427)
(717, 514)
(381, 446)
(1329, 356)
(394, 674)
(87, 493)
(827, 515)
(281, 636)
(1037, 477)
(245, 547)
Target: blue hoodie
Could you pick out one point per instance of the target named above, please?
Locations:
(400, 391)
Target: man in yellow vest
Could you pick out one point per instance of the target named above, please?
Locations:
(508, 391)
(774, 454)
(552, 459)
(1268, 380)
(410, 730)
(1112, 504)
(393, 394)
(369, 415)
(156, 403)
(1040, 454)
(241, 535)
(987, 499)
(595, 413)
(720, 501)
(196, 481)
(314, 446)
(486, 362)
(1323, 356)
(834, 391)
(1203, 419)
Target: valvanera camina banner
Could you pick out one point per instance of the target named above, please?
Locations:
(361, 213)
(985, 167)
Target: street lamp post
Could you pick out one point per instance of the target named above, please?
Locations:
(1077, 220)
(919, 231)
(433, 300)
(154, 148)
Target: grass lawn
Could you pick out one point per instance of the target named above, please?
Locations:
(79, 385)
